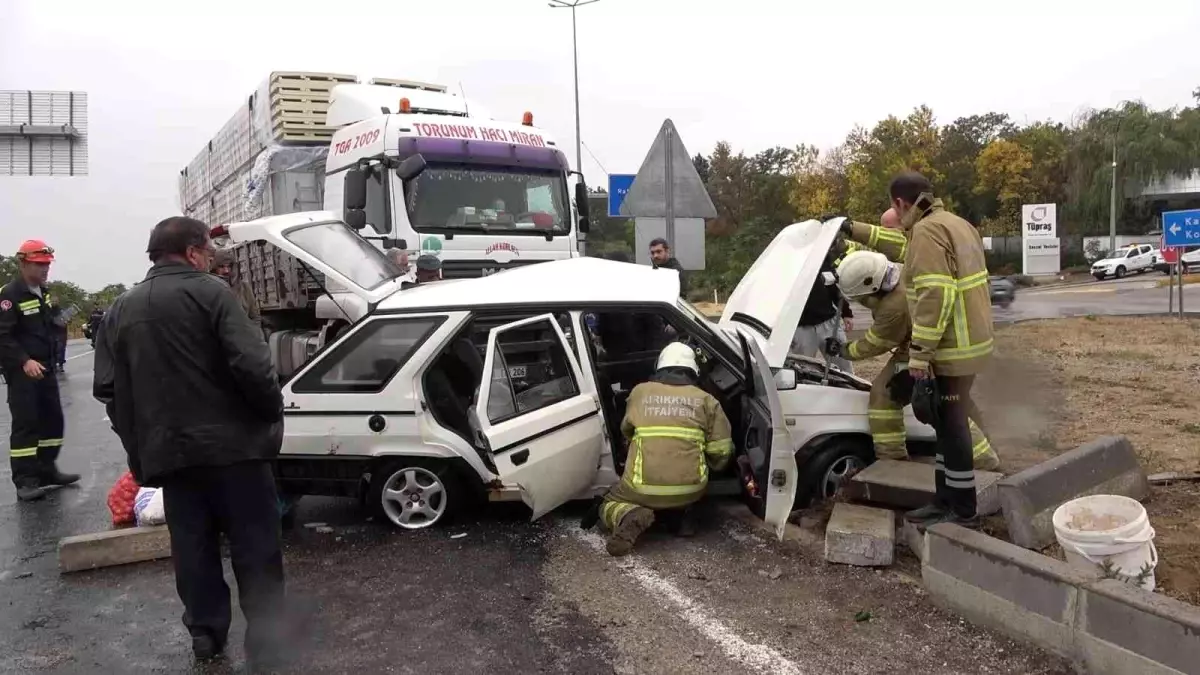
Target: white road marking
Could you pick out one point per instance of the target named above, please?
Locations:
(759, 657)
(71, 358)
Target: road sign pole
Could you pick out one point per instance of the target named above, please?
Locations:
(1180, 275)
(669, 218)
(1171, 286)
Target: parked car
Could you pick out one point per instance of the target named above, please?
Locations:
(1004, 291)
(1133, 258)
(461, 392)
(1190, 260)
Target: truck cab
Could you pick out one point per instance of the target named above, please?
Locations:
(484, 196)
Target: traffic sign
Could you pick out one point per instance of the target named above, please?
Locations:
(618, 187)
(1181, 228)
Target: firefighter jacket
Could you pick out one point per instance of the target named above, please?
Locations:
(27, 329)
(890, 329)
(893, 244)
(676, 433)
(946, 277)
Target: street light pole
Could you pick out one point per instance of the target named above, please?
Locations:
(1112, 203)
(558, 4)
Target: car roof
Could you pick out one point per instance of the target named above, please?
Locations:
(575, 281)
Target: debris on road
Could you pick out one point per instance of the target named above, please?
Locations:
(910, 485)
(860, 535)
(313, 526)
(115, 547)
(1172, 477)
(460, 535)
(324, 529)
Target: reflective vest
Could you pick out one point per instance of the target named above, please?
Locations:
(676, 433)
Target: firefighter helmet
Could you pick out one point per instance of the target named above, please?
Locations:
(678, 355)
(35, 251)
(862, 273)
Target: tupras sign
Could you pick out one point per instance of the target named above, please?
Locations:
(1040, 247)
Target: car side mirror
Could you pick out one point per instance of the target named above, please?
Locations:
(411, 168)
(785, 379)
(581, 206)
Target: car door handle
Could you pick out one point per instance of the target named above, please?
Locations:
(520, 457)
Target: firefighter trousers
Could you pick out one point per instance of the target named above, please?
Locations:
(954, 476)
(885, 418)
(37, 425)
(622, 500)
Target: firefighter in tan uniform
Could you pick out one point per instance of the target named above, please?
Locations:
(677, 432)
(876, 283)
(946, 281)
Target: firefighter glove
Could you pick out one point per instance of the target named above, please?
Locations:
(925, 401)
(900, 387)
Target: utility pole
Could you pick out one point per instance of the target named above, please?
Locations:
(1112, 203)
(559, 4)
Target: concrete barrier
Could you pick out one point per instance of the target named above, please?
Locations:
(1104, 626)
(860, 535)
(115, 547)
(1107, 465)
(910, 485)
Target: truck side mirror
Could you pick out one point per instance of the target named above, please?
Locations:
(355, 218)
(392, 242)
(411, 168)
(581, 206)
(354, 190)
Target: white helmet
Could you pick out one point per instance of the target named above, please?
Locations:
(677, 355)
(862, 273)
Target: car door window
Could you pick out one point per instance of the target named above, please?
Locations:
(530, 371)
(369, 358)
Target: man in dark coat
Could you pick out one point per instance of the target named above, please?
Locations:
(660, 256)
(188, 383)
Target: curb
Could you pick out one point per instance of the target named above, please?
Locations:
(1106, 627)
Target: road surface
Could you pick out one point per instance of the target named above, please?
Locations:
(492, 593)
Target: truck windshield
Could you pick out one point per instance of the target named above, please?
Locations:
(446, 198)
(345, 252)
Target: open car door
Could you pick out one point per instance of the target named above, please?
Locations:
(541, 426)
(323, 243)
(768, 443)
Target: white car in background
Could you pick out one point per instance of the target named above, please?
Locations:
(457, 393)
(1138, 258)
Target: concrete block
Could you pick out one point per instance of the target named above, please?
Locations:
(910, 485)
(1026, 595)
(914, 539)
(1107, 465)
(1128, 630)
(116, 547)
(860, 535)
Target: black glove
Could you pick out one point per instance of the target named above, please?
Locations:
(833, 347)
(592, 515)
(847, 227)
(900, 387)
(925, 402)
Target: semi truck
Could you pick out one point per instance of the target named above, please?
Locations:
(409, 164)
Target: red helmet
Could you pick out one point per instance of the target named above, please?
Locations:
(35, 251)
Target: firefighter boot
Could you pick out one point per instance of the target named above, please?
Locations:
(686, 527)
(28, 490)
(620, 541)
(50, 475)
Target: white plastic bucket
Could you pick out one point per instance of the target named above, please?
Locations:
(1094, 529)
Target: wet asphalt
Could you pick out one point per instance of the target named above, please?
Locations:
(492, 592)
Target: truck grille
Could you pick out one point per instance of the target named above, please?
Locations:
(469, 269)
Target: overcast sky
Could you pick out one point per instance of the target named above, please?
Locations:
(754, 72)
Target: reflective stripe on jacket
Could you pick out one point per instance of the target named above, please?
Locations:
(677, 433)
(893, 244)
(890, 328)
(946, 275)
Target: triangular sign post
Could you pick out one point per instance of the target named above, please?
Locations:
(668, 186)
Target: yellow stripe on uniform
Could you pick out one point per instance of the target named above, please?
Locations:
(50, 443)
(22, 452)
(885, 414)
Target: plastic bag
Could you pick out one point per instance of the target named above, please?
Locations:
(148, 507)
(121, 498)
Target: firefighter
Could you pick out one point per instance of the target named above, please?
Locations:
(677, 432)
(28, 355)
(946, 280)
(876, 283)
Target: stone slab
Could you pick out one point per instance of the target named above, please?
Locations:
(914, 539)
(860, 535)
(1140, 629)
(910, 485)
(1107, 465)
(115, 547)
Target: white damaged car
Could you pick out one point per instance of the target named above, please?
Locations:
(513, 386)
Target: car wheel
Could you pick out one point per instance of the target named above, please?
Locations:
(413, 494)
(1099, 277)
(1005, 304)
(825, 471)
(1120, 273)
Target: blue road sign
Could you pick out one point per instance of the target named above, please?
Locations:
(618, 187)
(1181, 228)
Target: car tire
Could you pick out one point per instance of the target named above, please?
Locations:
(823, 473)
(1120, 273)
(414, 493)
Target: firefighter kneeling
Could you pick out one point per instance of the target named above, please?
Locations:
(878, 284)
(676, 433)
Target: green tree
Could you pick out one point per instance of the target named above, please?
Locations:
(876, 156)
(959, 148)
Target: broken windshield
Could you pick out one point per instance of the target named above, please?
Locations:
(445, 198)
(344, 252)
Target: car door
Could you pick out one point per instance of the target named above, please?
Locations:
(536, 415)
(768, 444)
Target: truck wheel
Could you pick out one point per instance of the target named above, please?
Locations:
(824, 472)
(415, 493)
(1120, 273)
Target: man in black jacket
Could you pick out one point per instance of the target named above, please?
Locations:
(660, 256)
(188, 383)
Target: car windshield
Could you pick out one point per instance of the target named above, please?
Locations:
(704, 322)
(490, 199)
(345, 252)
